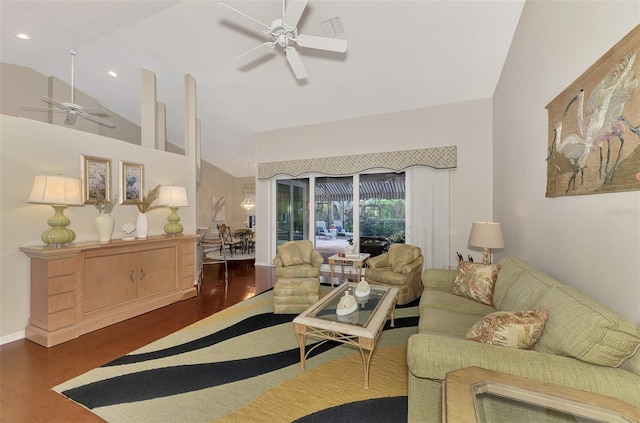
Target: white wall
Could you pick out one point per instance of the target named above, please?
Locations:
(29, 148)
(466, 125)
(591, 242)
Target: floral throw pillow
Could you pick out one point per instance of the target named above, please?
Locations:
(520, 329)
(476, 281)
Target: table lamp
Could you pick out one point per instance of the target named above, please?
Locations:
(59, 192)
(173, 197)
(486, 235)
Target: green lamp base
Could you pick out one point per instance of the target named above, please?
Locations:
(173, 227)
(59, 235)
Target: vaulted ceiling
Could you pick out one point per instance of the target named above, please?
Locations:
(401, 55)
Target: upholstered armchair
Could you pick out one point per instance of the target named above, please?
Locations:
(297, 277)
(401, 268)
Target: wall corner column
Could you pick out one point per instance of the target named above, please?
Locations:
(148, 111)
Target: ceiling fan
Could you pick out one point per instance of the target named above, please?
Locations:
(71, 109)
(284, 33)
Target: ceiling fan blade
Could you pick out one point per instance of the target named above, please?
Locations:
(268, 44)
(42, 109)
(54, 102)
(322, 43)
(95, 111)
(96, 119)
(294, 12)
(296, 64)
(245, 15)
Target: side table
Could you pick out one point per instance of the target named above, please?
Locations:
(356, 262)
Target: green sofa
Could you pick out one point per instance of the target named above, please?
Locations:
(585, 345)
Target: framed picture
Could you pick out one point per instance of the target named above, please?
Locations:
(217, 209)
(96, 179)
(131, 182)
(593, 144)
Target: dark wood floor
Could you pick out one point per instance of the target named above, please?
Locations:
(28, 371)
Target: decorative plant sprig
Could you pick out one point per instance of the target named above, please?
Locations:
(103, 206)
(145, 205)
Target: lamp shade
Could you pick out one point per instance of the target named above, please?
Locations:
(56, 190)
(172, 196)
(486, 234)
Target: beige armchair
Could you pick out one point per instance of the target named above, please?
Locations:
(297, 277)
(401, 268)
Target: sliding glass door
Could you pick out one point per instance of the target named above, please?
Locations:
(368, 209)
(292, 214)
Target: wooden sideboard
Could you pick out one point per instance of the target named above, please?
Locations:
(87, 286)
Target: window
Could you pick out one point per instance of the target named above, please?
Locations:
(382, 211)
(333, 212)
(376, 222)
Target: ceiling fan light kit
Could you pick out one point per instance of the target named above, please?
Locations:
(284, 33)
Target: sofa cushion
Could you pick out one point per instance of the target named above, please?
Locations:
(290, 254)
(510, 268)
(400, 255)
(518, 329)
(450, 323)
(632, 364)
(526, 290)
(306, 249)
(445, 300)
(386, 276)
(476, 281)
(582, 328)
(301, 271)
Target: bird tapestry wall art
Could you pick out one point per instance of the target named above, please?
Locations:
(594, 127)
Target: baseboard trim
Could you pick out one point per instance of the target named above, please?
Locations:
(12, 337)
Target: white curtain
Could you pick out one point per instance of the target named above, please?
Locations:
(427, 217)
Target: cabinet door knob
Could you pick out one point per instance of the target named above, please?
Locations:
(143, 274)
(131, 275)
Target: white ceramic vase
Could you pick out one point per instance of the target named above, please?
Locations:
(351, 248)
(142, 226)
(104, 225)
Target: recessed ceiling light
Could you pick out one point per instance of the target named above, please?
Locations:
(112, 74)
(23, 36)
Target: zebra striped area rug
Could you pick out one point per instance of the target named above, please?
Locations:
(243, 365)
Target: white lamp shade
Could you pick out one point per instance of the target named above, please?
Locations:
(486, 234)
(173, 196)
(56, 190)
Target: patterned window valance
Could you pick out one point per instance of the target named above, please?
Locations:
(436, 157)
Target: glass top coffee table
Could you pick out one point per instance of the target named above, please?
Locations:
(360, 328)
(474, 394)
